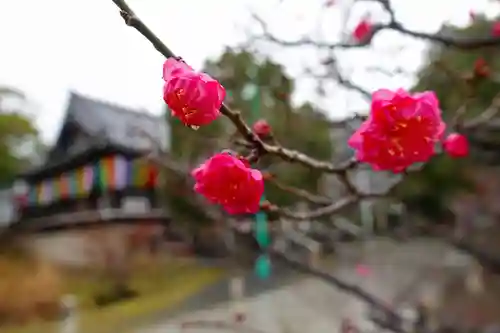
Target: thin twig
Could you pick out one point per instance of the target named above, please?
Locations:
(132, 20)
(464, 43)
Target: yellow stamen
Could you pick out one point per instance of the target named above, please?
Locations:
(186, 110)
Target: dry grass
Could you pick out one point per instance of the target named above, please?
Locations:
(29, 288)
(30, 292)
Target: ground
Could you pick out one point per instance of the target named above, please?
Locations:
(399, 273)
(160, 286)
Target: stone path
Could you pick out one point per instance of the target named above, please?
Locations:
(404, 271)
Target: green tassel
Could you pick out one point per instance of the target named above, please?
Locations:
(263, 263)
(263, 266)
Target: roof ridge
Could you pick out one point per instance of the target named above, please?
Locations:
(115, 106)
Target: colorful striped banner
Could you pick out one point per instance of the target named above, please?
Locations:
(80, 182)
(64, 186)
(153, 174)
(32, 195)
(88, 178)
(129, 172)
(46, 193)
(39, 193)
(72, 184)
(111, 172)
(97, 179)
(108, 172)
(55, 189)
(142, 173)
(120, 172)
(133, 171)
(136, 173)
(50, 188)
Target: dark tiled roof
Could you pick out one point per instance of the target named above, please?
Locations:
(119, 124)
(107, 125)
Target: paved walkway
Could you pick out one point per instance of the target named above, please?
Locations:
(219, 292)
(405, 271)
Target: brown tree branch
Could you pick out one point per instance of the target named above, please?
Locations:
(301, 193)
(293, 156)
(235, 116)
(394, 25)
(334, 73)
(393, 320)
(483, 120)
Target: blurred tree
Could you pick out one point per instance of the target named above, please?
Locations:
(448, 68)
(18, 136)
(302, 128)
(428, 191)
(449, 73)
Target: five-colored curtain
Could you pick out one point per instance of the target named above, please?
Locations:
(108, 173)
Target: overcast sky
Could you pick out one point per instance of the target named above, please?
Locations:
(49, 47)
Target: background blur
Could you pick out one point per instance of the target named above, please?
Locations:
(76, 87)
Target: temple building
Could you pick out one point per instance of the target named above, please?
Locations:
(95, 176)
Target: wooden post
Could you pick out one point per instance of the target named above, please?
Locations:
(315, 254)
(69, 323)
(474, 279)
(409, 318)
(237, 292)
(431, 301)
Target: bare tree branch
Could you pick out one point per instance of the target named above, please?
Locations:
(301, 193)
(259, 147)
(333, 72)
(235, 116)
(394, 25)
(394, 322)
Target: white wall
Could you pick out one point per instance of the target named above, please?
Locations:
(80, 248)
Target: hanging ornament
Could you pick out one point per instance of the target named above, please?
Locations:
(263, 266)
(263, 263)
